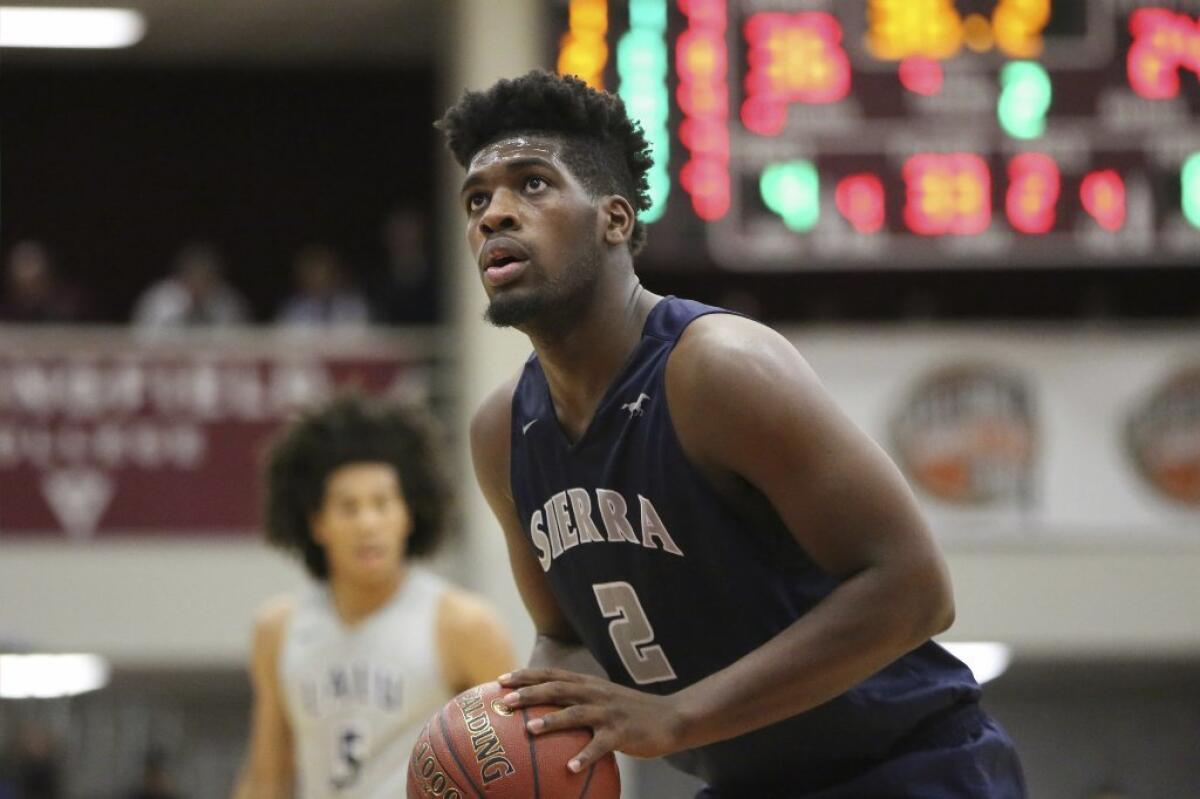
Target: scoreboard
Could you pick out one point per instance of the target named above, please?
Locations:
(872, 134)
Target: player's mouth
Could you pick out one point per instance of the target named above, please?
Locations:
(503, 260)
(370, 552)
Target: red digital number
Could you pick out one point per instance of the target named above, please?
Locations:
(794, 58)
(701, 62)
(1163, 43)
(859, 198)
(1103, 197)
(1033, 188)
(947, 194)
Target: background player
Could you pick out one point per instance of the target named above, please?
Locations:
(680, 497)
(345, 676)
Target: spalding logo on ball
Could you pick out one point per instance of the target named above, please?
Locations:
(476, 746)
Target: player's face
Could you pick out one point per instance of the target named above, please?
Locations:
(363, 522)
(535, 231)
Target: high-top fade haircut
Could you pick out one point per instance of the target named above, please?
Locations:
(605, 150)
(349, 430)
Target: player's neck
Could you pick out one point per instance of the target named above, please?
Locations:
(356, 600)
(581, 363)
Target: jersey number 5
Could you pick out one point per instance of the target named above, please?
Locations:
(632, 634)
(351, 750)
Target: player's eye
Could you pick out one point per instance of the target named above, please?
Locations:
(535, 183)
(476, 201)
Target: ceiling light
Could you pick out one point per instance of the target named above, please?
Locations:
(987, 660)
(26, 26)
(50, 676)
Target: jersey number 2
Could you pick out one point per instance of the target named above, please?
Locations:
(632, 634)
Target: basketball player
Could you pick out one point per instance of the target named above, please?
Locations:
(345, 676)
(681, 499)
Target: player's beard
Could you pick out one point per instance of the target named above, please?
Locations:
(555, 304)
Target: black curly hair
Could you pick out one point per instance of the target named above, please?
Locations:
(353, 429)
(605, 150)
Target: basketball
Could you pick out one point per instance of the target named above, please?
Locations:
(477, 747)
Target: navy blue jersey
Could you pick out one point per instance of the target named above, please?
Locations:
(665, 582)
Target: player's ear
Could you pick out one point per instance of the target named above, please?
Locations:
(408, 522)
(619, 218)
(316, 527)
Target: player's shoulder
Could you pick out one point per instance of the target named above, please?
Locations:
(271, 621)
(493, 417)
(745, 374)
(721, 352)
(489, 436)
(466, 620)
(461, 609)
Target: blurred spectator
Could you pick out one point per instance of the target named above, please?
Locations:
(321, 296)
(33, 291)
(195, 295)
(406, 292)
(36, 767)
(155, 784)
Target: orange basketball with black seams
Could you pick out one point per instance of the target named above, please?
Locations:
(476, 747)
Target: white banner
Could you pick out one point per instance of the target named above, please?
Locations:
(1037, 434)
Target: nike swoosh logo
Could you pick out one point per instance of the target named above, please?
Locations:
(525, 428)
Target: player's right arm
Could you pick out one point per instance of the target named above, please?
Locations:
(269, 766)
(556, 645)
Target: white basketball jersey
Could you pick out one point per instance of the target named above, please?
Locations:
(358, 696)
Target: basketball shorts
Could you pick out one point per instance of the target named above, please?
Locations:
(968, 757)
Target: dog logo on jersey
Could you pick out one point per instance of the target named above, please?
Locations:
(635, 408)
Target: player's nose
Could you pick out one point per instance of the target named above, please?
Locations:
(501, 213)
(368, 519)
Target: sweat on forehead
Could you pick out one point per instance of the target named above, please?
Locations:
(516, 145)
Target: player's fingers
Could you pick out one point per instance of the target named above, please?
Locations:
(534, 676)
(567, 719)
(548, 693)
(601, 744)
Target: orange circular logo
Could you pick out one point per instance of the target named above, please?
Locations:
(1163, 436)
(967, 435)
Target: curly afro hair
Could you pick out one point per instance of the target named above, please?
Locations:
(605, 150)
(352, 429)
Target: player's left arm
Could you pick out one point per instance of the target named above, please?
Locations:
(473, 644)
(843, 500)
(782, 437)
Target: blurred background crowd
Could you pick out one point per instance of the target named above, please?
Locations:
(198, 288)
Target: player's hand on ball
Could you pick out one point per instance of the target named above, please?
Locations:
(621, 719)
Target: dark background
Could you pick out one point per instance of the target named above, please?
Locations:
(116, 168)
